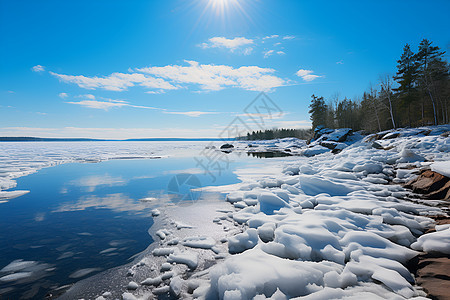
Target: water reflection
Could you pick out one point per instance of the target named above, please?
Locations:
(116, 202)
(90, 183)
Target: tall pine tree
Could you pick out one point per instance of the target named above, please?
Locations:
(318, 111)
(431, 68)
(406, 78)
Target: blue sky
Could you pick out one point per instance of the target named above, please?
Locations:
(128, 69)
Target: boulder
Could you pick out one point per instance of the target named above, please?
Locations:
(432, 184)
(226, 146)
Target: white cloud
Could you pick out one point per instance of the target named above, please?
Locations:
(288, 37)
(273, 36)
(217, 77)
(105, 103)
(209, 77)
(248, 51)
(231, 44)
(115, 81)
(63, 95)
(38, 68)
(268, 53)
(307, 75)
(272, 52)
(190, 113)
(341, 62)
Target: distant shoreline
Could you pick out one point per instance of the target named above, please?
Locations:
(38, 139)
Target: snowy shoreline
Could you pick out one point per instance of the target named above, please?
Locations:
(324, 226)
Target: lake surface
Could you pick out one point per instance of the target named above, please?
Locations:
(82, 218)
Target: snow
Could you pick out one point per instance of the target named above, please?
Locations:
(438, 241)
(132, 285)
(338, 229)
(152, 281)
(204, 242)
(187, 257)
(441, 167)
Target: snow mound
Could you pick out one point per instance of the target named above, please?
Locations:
(438, 241)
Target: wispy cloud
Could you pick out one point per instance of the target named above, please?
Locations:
(307, 75)
(268, 53)
(272, 52)
(273, 36)
(230, 44)
(341, 62)
(63, 95)
(246, 45)
(190, 113)
(38, 68)
(105, 103)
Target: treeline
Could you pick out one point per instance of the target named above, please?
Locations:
(417, 95)
(270, 134)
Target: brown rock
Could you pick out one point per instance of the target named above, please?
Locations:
(432, 184)
(433, 276)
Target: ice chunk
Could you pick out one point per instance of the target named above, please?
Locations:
(314, 185)
(269, 202)
(4, 195)
(188, 258)
(176, 285)
(17, 265)
(441, 167)
(15, 276)
(163, 251)
(128, 296)
(254, 272)
(407, 155)
(204, 242)
(315, 150)
(243, 241)
(152, 281)
(438, 241)
(132, 285)
(166, 267)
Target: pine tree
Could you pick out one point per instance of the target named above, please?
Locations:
(430, 69)
(318, 111)
(406, 78)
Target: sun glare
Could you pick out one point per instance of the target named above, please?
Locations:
(220, 7)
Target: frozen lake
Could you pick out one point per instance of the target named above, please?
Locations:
(81, 218)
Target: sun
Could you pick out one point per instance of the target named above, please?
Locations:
(220, 7)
